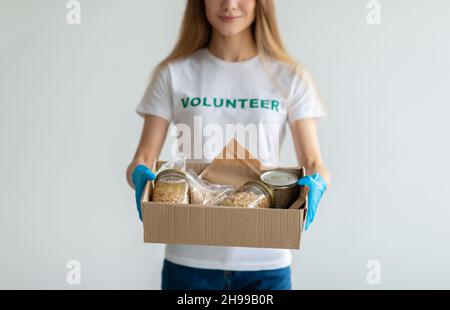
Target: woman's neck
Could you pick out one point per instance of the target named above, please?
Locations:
(235, 48)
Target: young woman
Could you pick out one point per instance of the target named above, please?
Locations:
(230, 67)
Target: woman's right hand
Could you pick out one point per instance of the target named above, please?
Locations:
(140, 176)
(152, 139)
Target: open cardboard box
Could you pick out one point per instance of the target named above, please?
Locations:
(223, 226)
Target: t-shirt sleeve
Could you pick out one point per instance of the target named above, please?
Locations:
(304, 101)
(157, 99)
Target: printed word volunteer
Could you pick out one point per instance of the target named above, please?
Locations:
(267, 104)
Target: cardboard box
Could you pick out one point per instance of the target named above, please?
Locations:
(223, 226)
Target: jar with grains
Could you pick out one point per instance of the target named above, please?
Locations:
(171, 186)
(254, 194)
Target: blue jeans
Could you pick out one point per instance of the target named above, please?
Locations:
(178, 277)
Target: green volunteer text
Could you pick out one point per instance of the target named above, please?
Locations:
(231, 103)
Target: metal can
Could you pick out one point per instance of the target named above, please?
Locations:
(253, 194)
(171, 186)
(283, 185)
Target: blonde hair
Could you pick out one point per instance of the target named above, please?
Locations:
(196, 32)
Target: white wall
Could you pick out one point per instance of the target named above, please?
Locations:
(68, 130)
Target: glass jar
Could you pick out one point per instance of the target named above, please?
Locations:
(171, 186)
(254, 194)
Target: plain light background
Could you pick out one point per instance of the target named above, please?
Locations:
(68, 131)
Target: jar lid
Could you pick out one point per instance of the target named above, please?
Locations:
(265, 189)
(279, 178)
(173, 172)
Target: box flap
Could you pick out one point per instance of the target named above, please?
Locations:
(234, 165)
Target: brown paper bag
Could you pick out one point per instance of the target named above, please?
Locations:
(233, 166)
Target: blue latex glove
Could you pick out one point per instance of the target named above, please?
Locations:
(140, 176)
(317, 187)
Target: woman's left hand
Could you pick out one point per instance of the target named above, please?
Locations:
(317, 187)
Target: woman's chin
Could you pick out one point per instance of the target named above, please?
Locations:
(230, 32)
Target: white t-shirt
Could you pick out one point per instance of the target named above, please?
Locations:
(213, 101)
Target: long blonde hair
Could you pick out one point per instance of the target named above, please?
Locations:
(196, 32)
